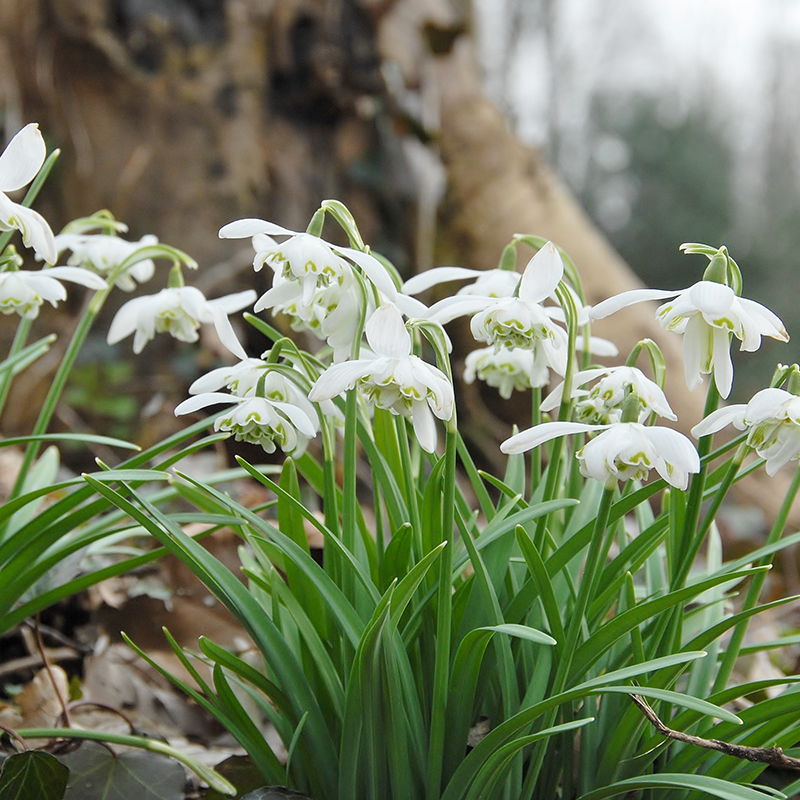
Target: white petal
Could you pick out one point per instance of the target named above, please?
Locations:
(387, 333)
(126, 319)
(373, 269)
(695, 350)
(458, 306)
(432, 277)
(597, 346)
(337, 379)
(35, 230)
(619, 301)
(723, 366)
(784, 454)
(202, 400)
(757, 320)
(231, 303)
(76, 275)
(718, 419)
(711, 298)
(245, 228)
(542, 275)
(675, 448)
(533, 437)
(424, 426)
(226, 334)
(767, 404)
(22, 159)
(297, 417)
(410, 306)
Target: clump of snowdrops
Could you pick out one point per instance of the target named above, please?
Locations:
(466, 635)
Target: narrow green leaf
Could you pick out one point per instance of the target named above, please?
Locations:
(700, 783)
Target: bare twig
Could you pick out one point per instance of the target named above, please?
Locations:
(768, 755)
(49, 667)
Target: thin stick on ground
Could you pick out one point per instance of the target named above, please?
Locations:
(773, 756)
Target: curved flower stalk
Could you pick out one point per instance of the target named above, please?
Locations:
(19, 163)
(393, 378)
(706, 313)
(281, 416)
(105, 253)
(623, 451)
(604, 402)
(772, 420)
(179, 311)
(24, 291)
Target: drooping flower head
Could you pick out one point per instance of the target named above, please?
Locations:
(515, 320)
(24, 291)
(707, 314)
(276, 413)
(19, 164)
(772, 420)
(313, 280)
(104, 253)
(178, 311)
(623, 451)
(603, 403)
(508, 368)
(393, 378)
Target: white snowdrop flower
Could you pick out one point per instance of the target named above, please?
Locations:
(241, 378)
(19, 163)
(104, 253)
(333, 312)
(178, 311)
(603, 403)
(283, 416)
(706, 313)
(305, 257)
(623, 451)
(393, 378)
(23, 292)
(772, 419)
(507, 369)
(520, 321)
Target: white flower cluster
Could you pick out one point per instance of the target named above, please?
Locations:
(339, 292)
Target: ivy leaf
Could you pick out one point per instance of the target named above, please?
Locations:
(98, 774)
(33, 774)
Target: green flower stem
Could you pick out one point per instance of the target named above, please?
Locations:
(212, 778)
(536, 453)
(409, 484)
(696, 488)
(444, 622)
(686, 560)
(349, 498)
(57, 386)
(754, 591)
(20, 340)
(554, 466)
(590, 572)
